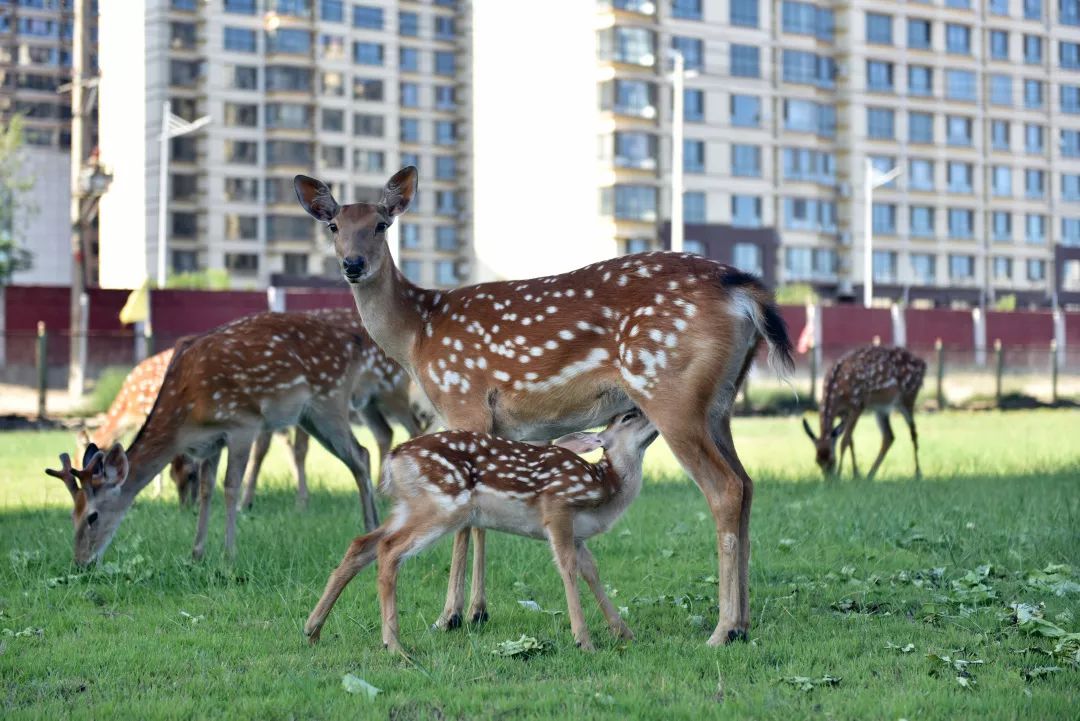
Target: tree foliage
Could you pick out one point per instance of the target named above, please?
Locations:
(16, 204)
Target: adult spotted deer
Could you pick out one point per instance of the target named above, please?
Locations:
(265, 371)
(671, 333)
(870, 378)
(444, 482)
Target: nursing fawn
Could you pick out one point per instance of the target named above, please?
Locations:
(448, 481)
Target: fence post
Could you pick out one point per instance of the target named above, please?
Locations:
(42, 367)
(999, 366)
(978, 327)
(148, 340)
(939, 351)
(813, 375)
(1054, 371)
(899, 326)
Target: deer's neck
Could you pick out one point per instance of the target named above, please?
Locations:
(154, 447)
(394, 312)
(624, 474)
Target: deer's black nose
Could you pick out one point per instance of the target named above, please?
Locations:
(353, 266)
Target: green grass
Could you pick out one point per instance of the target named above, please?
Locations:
(834, 581)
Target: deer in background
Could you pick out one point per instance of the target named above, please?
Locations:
(262, 372)
(875, 378)
(670, 333)
(444, 482)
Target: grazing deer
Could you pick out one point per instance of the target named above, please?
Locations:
(867, 378)
(670, 333)
(443, 482)
(265, 371)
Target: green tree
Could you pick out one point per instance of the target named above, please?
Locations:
(16, 203)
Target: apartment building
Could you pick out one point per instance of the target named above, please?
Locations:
(348, 92)
(785, 101)
(35, 61)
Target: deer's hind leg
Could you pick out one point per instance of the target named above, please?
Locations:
(907, 410)
(251, 475)
(587, 567)
(360, 553)
(330, 427)
(886, 441)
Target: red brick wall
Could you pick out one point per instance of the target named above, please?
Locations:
(955, 328)
(1028, 330)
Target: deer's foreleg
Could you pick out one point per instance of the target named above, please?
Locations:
(907, 410)
(239, 450)
(251, 474)
(207, 479)
(886, 441)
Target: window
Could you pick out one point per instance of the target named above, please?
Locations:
(1070, 99)
(1070, 231)
(744, 13)
(185, 149)
(446, 238)
(1032, 50)
(181, 72)
(1033, 138)
(333, 84)
(1001, 181)
(410, 235)
(746, 161)
(920, 80)
(629, 97)
(807, 116)
(880, 123)
(1002, 268)
(367, 89)
(962, 4)
(241, 227)
(245, 78)
(409, 95)
(284, 77)
(920, 174)
(745, 61)
(292, 116)
(1035, 225)
(332, 11)
(370, 18)
(692, 50)
(333, 156)
(445, 272)
(333, 120)
(633, 46)
(922, 221)
(445, 132)
(879, 75)
(961, 267)
(446, 202)
(630, 202)
(295, 264)
(1001, 226)
(1001, 90)
(410, 130)
(918, 34)
(408, 24)
(961, 223)
(810, 214)
(1069, 55)
(957, 39)
(999, 134)
(240, 7)
(693, 156)
(1069, 12)
(295, 8)
(367, 53)
(1034, 184)
(884, 266)
(809, 165)
(288, 40)
(636, 150)
(242, 190)
(412, 269)
(746, 211)
(1070, 143)
(288, 152)
(184, 224)
(1033, 94)
(409, 59)
(181, 36)
(745, 111)
(693, 207)
(1070, 186)
(445, 28)
(185, 261)
(801, 67)
(806, 19)
(1036, 269)
(883, 218)
(184, 187)
(245, 263)
(920, 127)
(959, 130)
(367, 125)
(241, 151)
(959, 177)
(960, 85)
(747, 257)
(694, 105)
(999, 45)
(884, 164)
(445, 97)
(241, 115)
(879, 28)
(1033, 9)
(445, 63)
(923, 268)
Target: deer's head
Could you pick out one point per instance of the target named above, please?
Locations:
(624, 440)
(359, 229)
(97, 491)
(184, 472)
(825, 447)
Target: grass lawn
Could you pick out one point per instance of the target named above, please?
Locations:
(871, 584)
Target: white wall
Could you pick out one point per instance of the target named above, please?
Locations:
(535, 125)
(45, 229)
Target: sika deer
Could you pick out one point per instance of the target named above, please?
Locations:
(265, 371)
(671, 333)
(867, 378)
(447, 481)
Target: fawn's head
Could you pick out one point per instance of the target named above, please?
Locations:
(184, 471)
(98, 493)
(825, 447)
(624, 440)
(359, 229)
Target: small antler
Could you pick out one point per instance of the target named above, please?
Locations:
(65, 474)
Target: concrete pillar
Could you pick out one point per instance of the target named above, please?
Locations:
(813, 319)
(3, 328)
(978, 326)
(899, 325)
(1059, 335)
(275, 299)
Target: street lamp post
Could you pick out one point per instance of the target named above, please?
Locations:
(872, 179)
(172, 126)
(677, 77)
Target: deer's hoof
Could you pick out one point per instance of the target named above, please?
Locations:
(480, 616)
(447, 624)
(723, 638)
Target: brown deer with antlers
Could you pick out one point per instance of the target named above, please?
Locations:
(870, 378)
(671, 333)
(262, 372)
(446, 481)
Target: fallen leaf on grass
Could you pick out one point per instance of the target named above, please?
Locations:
(193, 619)
(24, 633)
(526, 647)
(959, 665)
(907, 648)
(1030, 674)
(805, 683)
(529, 605)
(1055, 578)
(786, 544)
(356, 685)
(965, 681)
(604, 699)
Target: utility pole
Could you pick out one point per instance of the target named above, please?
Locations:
(677, 113)
(80, 141)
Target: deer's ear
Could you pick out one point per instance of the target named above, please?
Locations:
(115, 465)
(316, 198)
(400, 190)
(89, 453)
(837, 430)
(581, 442)
(809, 432)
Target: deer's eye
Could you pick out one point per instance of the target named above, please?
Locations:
(381, 228)
(332, 227)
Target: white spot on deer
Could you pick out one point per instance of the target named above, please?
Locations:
(680, 324)
(656, 336)
(606, 277)
(623, 280)
(481, 362)
(566, 335)
(501, 376)
(588, 293)
(587, 326)
(570, 371)
(551, 345)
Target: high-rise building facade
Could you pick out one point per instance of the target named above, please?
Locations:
(348, 92)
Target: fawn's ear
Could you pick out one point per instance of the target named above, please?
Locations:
(399, 191)
(837, 431)
(581, 442)
(316, 198)
(115, 466)
(809, 432)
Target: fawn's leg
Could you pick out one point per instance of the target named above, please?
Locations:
(251, 473)
(478, 596)
(559, 523)
(361, 552)
(299, 447)
(886, 441)
(455, 597)
(207, 479)
(907, 410)
(393, 549)
(587, 567)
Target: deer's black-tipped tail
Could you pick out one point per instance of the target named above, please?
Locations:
(775, 331)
